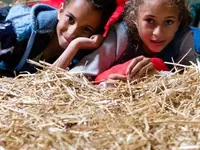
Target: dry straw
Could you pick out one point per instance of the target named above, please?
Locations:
(58, 110)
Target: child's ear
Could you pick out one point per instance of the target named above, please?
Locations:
(60, 10)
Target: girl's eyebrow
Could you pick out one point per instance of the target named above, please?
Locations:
(72, 15)
(155, 16)
(150, 16)
(171, 17)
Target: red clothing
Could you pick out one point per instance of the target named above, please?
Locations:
(53, 3)
(121, 69)
(115, 16)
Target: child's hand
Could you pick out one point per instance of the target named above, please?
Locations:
(139, 67)
(88, 43)
(79, 43)
(114, 78)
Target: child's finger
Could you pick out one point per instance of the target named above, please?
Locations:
(138, 67)
(145, 70)
(133, 63)
(96, 37)
(111, 82)
(117, 77)
(96, 40)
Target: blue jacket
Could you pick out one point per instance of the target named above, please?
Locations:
(33, 27)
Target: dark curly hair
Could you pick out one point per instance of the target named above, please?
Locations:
(132, 7)
(107, 7)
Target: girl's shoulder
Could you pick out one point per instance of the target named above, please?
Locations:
(190, 36)
(184, 47)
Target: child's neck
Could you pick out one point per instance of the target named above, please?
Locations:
(53, 49)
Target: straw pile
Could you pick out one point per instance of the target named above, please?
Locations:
(56, 110)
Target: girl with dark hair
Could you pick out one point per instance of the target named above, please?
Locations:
(43, 32)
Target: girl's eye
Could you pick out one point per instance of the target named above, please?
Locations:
(70, 19)
(87, 30)
(169, 22)
(150, 21)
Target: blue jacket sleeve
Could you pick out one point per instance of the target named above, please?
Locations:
(21, 19)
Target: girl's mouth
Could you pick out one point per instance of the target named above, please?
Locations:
(66, 39)
(157, 42)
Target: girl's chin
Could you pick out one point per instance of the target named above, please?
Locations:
(156, 49)
(152, 48)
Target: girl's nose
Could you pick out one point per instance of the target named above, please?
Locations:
(158, 31)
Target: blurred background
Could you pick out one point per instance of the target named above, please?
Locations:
(54, 3)
(7, 1)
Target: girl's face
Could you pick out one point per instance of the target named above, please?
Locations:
(157, 23)
(77, 19)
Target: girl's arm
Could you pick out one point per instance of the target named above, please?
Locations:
(133, 68)
(141, 66)
(79, 43)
